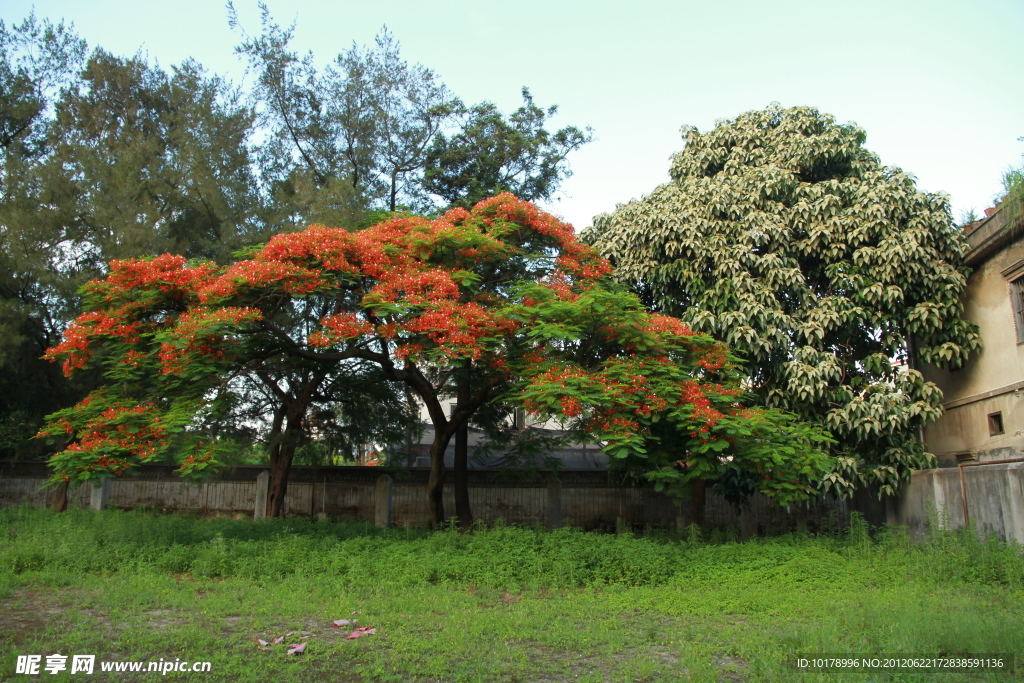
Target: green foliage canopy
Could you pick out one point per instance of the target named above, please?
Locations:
(782, 235)
(492, 154)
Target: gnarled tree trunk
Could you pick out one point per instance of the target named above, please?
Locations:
(290, 412)
(281, 462)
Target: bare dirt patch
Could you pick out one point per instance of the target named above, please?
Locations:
(31, 612)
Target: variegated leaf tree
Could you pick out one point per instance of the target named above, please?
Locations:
(503, 291)
(832, 275)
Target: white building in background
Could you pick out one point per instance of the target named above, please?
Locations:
(983, 401)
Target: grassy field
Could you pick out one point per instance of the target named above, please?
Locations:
(502, 604)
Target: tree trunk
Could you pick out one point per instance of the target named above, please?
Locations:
(462, 509)
(444, 429)
(274, 441)
(695, 505)
(435, 482)
(280, 464)
(59, 497)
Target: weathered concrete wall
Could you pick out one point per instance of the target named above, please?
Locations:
(584, 498)
(995, 500)
(995, 495)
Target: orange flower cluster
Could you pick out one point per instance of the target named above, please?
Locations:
(417, 275)
(168, 273)
(714, 359)
(76, 345)
(196, 462)
(696, 394)
(122, 306)
(339, 327)
(200, 332)
(456, 327)
(663, 324)
(114, 437)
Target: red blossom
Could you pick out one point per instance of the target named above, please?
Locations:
(410, 286)
(201, 332)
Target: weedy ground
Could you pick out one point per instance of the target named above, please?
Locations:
(502, 604)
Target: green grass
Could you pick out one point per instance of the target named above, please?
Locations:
(503, 604)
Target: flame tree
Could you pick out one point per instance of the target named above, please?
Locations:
(503, 290)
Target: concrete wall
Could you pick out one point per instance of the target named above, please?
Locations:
(995, 500)
(992, 380)
(995, 495)
(585, 498)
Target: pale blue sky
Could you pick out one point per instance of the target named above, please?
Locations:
(935, 83)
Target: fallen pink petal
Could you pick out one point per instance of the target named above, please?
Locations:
(297, 649)
(266, 649)
(261, 642)
(277, 641)
(362, 631)
(345, 622)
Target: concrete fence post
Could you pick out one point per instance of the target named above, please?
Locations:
(262, 492)
(382, 501)
(554, 515)
(100, 494)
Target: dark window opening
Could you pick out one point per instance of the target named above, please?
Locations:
(1017, 296)
(995, 424)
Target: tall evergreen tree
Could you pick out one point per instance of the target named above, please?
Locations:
(37, 59)
(348, 138)
(155, 162)
(124, 161)
(491, 154)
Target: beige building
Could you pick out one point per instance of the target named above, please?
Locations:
(984, 400)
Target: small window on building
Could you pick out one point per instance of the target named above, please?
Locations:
(451, 409)
(995, 424)
(1017, 295)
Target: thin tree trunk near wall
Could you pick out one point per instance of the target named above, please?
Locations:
(59, 497)
(435, 482)
(274, 441)
(694, 507)
(462, 507)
